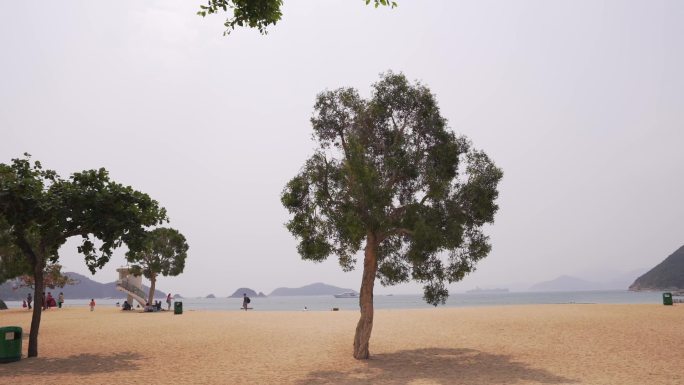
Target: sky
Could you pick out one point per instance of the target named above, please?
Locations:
(579, 102)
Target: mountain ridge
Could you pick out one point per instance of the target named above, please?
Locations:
(667, 275)
(86, 288)
(318, 288)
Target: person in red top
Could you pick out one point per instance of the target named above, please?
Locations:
(50, 301)
(92, 304)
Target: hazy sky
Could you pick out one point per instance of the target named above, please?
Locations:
(580, 102)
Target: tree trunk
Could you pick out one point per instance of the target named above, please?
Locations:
(153, 283)
(38, 299)
(365, 325)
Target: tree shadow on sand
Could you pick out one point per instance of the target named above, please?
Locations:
(438, 366)
(78, 364)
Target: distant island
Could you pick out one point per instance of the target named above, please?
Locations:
(245, 290)
(566, 283)
(484, 291)
(318, 288)
(667, 275)
(210, 296)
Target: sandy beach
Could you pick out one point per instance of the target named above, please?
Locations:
(541, 344)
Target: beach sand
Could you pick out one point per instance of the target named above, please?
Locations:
(541, 344)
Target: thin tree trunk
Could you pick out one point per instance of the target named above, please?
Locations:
(39, 287)
(365, 325)
(153, 283)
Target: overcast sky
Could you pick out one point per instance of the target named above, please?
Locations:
(581, 103)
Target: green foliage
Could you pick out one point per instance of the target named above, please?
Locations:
(388, 169)
(164, 252)
(256, 13)
(39, 211)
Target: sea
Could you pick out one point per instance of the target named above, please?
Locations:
(404, 301)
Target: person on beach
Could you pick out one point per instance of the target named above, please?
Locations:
(50, 302)
(92, 304)
(245, 301)
(23, 303)
(29, 299)
(168, 301)
(60, 300)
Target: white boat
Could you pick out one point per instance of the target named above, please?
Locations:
(348, 294)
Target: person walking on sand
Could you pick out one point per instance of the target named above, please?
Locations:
(92, 304)
(245, 301)
(168, 301)
(60, 300)
(29, 299)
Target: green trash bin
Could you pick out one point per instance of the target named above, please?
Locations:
(10, 344)
(178, 307)
(667, 298)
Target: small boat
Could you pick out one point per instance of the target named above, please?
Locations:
(348, 294)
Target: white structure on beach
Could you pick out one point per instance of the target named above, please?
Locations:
(131, 285)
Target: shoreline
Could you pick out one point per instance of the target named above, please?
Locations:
(456, 300)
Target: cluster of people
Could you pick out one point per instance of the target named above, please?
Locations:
(157, 306)
(48, 301)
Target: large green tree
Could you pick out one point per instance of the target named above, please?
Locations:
(256, 13)
(163, 252)
(389, 173)
(12, 261)
(39, 211)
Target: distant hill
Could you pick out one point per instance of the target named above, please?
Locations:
(86, 288)
(667, 275)
(567, 283)
(245, 290)
(313, 289)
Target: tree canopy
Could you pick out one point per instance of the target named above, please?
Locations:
(39, 211)
(163, 252)
(389, 172)
(258, 14)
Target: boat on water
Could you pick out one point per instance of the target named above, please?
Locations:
(348, 294)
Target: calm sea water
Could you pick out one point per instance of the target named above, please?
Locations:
(319, 303)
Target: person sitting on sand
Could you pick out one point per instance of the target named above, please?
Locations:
(126, 306)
